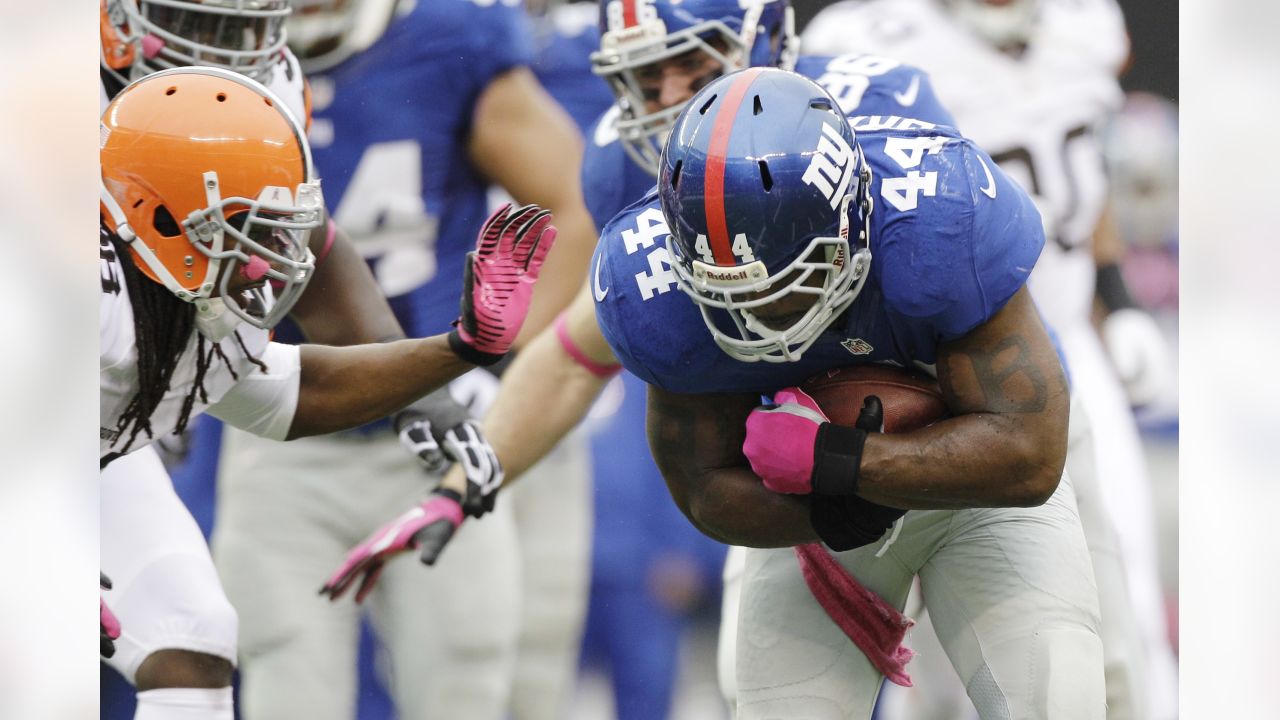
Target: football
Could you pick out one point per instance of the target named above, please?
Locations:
(911, 398)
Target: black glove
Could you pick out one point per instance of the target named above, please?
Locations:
(845, 522)
(440, 431)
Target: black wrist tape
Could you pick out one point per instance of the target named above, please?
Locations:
(837, 455)
(1112, 290)
(470, 354)
(451, 494)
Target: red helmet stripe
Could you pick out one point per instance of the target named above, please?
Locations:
(629, 13)
(713, 189)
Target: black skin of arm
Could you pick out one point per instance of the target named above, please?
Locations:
(1006, 442)
(1004, 446)
(697, 443)
(344, 387)
(352, 373)
(343, 304)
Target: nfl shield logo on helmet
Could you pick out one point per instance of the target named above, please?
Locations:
(857, 346)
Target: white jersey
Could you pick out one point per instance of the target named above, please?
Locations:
(286, 81)
(238, 391)
(1038, 115)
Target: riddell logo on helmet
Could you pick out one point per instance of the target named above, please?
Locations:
(831, 166)
(735, 275)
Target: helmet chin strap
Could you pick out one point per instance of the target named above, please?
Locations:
(214, 319)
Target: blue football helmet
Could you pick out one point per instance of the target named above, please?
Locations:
(760, 181)
(638, 33)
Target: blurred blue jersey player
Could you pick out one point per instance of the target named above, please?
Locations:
(786, 238)
(417, 109)
(649, 568)
(656, 65)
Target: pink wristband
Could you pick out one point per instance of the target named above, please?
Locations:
(566, 342)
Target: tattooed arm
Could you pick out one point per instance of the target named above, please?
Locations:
(1006, 442)
(697, 443)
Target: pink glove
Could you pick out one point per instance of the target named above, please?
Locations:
(430, 525)
(498, 282)
(780, 441)
(108, 625)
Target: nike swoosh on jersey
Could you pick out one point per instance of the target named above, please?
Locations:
(596, 291)
(990, 189)
(908, 97)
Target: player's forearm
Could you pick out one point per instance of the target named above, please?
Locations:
(544, 395)
(732, 506)
(343, 387)
(977, 460)
(696, 441)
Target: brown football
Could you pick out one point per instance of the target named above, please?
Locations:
(911, 398)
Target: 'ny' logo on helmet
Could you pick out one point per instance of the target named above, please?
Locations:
(831, 167)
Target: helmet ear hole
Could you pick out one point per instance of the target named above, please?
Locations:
(162, 220)
(820, 104)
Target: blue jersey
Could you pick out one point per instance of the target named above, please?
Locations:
(861, 84)
(952, 239)
(563, 41)
(388, 134)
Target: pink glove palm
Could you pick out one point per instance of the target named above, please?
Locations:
(498, 282)
(429, 526)
(780, 441)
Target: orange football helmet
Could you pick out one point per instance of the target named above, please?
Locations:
(208, 178)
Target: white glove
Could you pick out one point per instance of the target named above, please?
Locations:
(1141, 356)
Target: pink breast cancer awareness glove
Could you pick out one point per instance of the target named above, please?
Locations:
(498, 282)
(108, 625)
(780, 441)
(429, 526)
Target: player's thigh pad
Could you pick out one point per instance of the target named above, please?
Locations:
(1012, 595)
(793, 661)
(165, 590)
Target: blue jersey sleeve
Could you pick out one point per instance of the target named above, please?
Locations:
(970, 245)
(874, 85)
(497, 37)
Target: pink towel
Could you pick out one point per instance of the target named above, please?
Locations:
(876, 627)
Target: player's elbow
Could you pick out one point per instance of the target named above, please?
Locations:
(706, 514)
(1038, 473)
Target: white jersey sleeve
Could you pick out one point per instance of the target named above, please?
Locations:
(263, 403)
(236, 361)
(289, 84)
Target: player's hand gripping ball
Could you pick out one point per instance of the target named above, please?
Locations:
(810, 440)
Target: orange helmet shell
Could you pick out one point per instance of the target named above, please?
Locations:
(162, 133)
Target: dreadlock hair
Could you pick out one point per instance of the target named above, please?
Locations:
(163, 326)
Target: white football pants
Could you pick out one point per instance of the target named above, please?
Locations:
(165, 590)
(1011, 593)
